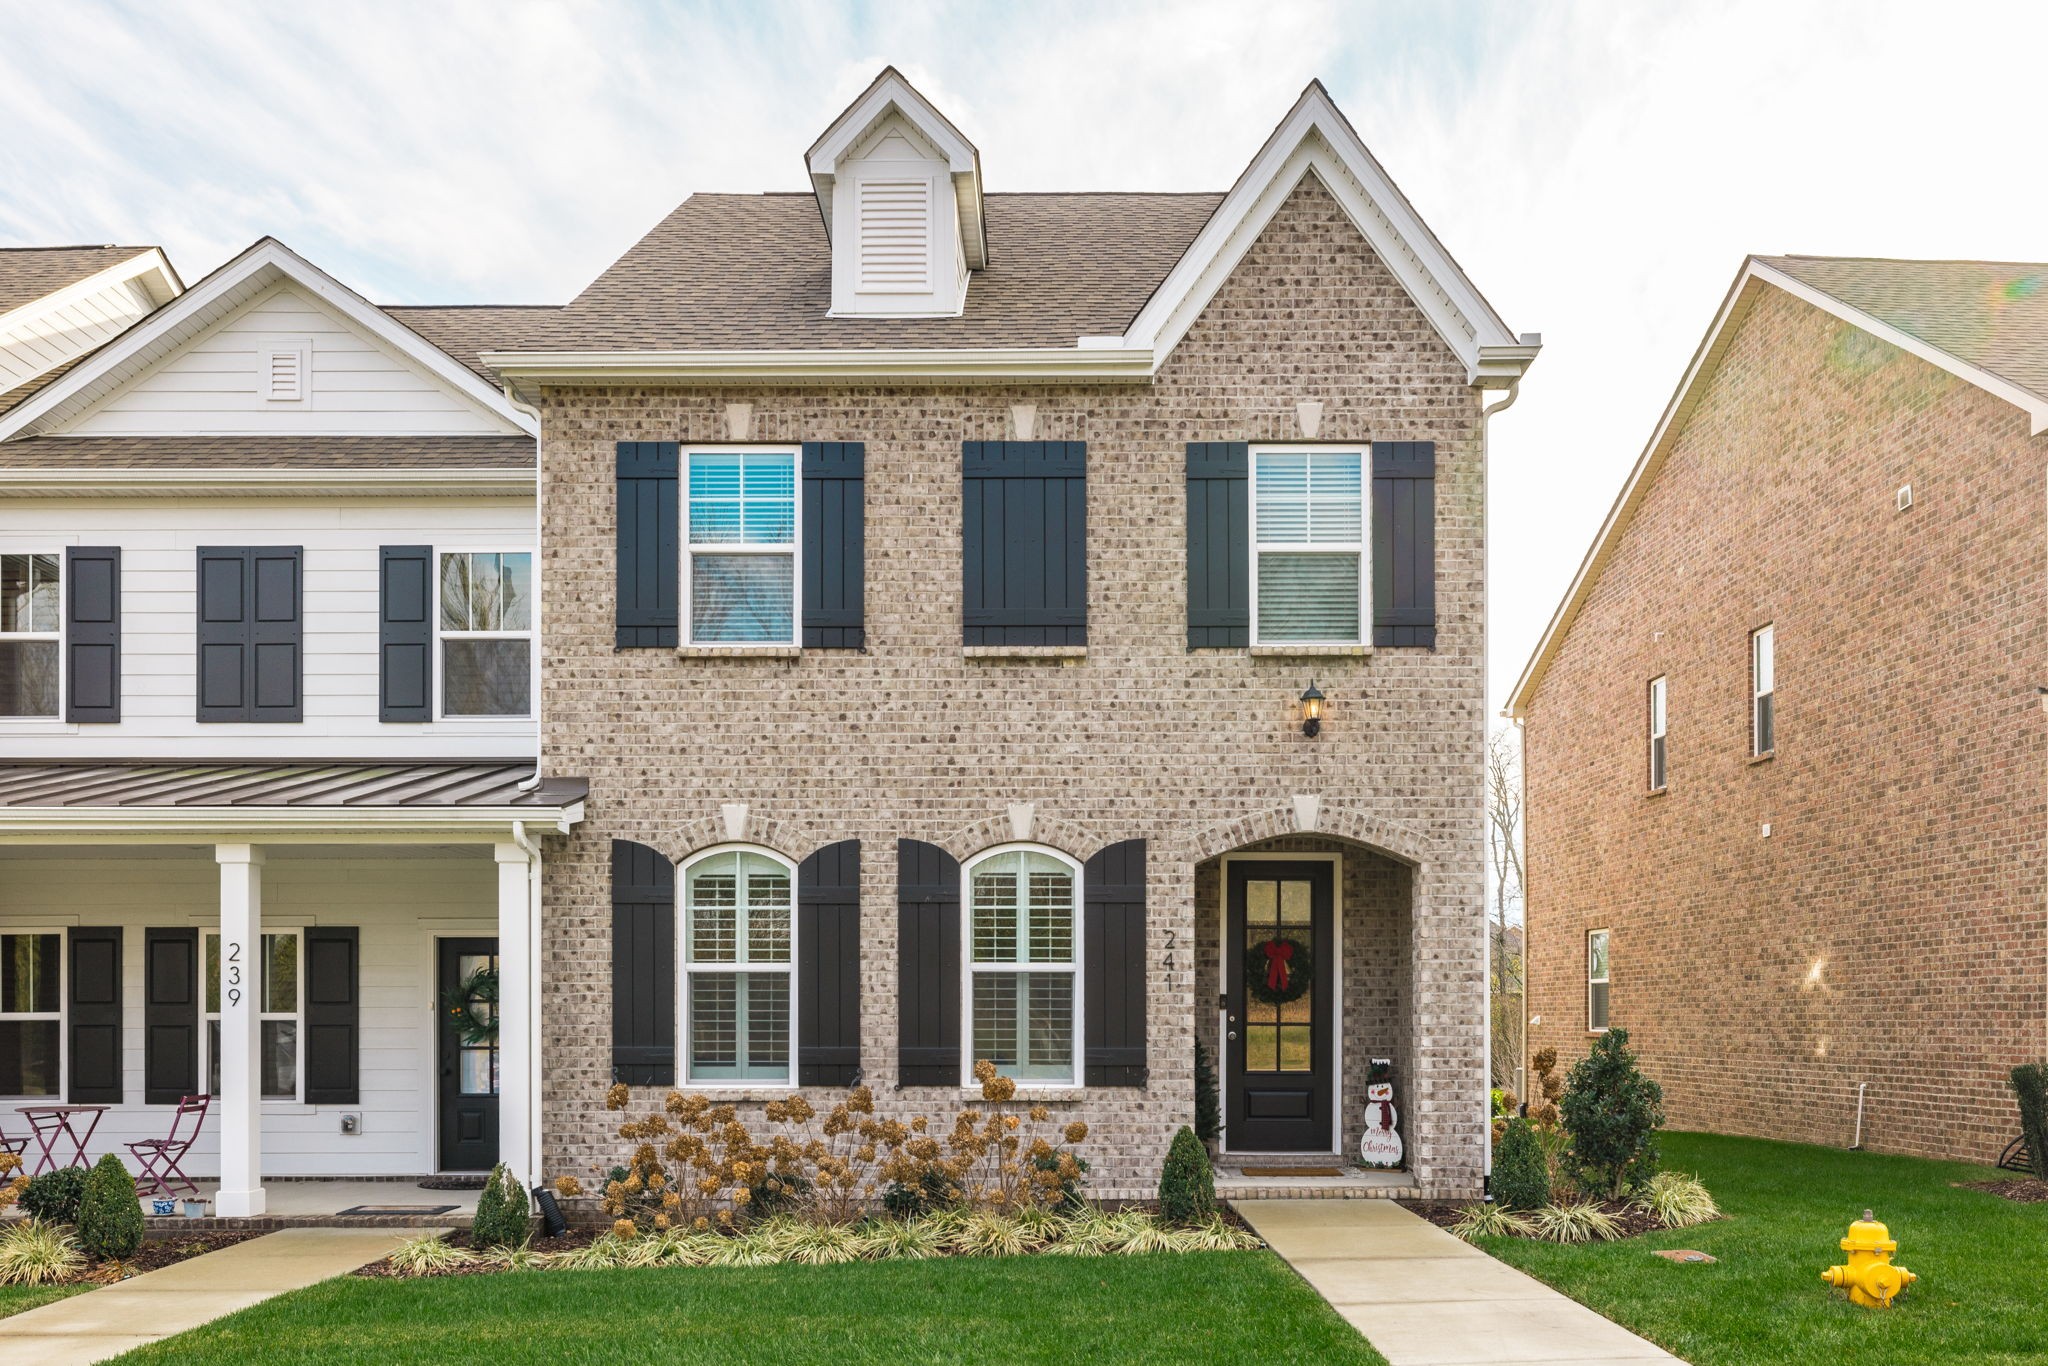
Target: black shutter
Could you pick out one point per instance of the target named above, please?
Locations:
(835, 545)
(93, 1016)
(643, 966)
(92, 633)
(405, 633)
(648, 566)
(334, 1042)
(250, 633)
(1024, 543)
(1113, 966)
(1219, 545)
(927, 965)
(1404, 543)
(170, 1016)
(828, 966)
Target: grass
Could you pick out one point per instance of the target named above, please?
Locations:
(15, 1298)
(1979, 1258)
(1212, 1306)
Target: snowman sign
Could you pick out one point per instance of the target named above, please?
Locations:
(1381, 1145)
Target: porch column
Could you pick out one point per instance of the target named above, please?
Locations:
(240, 1104)
(515, 1015)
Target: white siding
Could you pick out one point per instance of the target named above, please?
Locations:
(401, 905)
(42, 341)
(355, 385)
(159, 622)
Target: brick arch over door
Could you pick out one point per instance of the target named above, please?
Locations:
(1397, 841)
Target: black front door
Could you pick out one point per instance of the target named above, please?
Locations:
(468, 1047)
(1278, 963)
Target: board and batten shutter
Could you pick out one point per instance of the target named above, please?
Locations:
(92, 1016)
(1113, 966)
(1024, 543)
(927, 965)
(835, 545)
(405, 633)
(643, 966)
(92, 634)
(649, 583)
(333, 1015)
(828, 966)
(1219, 545)
(251, 625)
(1403, 543)
(170, 1015)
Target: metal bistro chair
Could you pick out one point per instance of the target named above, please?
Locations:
(159, 1157)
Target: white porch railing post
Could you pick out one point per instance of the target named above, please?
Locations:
(515, 1015)
(240, 1104)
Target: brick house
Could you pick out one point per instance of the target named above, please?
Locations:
(1783, 759)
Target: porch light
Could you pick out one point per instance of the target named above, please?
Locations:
(1312, 711)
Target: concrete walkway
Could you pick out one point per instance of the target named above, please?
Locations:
(133, 1313)
(1425, 1298)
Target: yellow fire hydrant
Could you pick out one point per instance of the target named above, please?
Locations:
(1870, 1278)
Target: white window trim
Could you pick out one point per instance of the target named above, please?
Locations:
(63, 660)
(689, 552)
(529, 635)
(1363, 546)
(684, 967)
(1657, 699)
(1606, 981)
(1763, 640)
(969, 968)
(62, 1095)
(297, 1015)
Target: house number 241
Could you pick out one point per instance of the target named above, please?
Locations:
(234, 970)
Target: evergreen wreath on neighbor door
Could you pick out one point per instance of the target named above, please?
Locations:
(472, 1005)
(1278, 970)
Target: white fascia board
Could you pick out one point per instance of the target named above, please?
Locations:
(281, 483)
(1052, 364)
(274, 256)
(276, 825)
(151, 270)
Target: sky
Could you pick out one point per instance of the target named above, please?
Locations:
(1599, 169)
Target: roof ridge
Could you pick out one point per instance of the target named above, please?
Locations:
(1905, 260)
(389, 307)
(84, 246)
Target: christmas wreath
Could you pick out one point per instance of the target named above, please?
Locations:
(473, 1006)
(1278, 970)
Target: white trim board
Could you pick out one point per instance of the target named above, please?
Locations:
(149, 268)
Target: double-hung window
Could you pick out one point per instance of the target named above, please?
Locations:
(1596, 981)
(1308, 547)
(1658, 688)
(277, 1004)
(740, 567)
(31, 1014)
(486, 617)
(738, 943)
(31, 621)
(1763, 687)
(1023, 964)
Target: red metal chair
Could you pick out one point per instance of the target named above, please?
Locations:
(158, 1158)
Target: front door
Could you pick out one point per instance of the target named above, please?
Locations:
(466, 995)
(1278, 968)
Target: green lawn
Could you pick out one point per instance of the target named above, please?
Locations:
(1981, 1262)
(1215, 1306)
(15, 1298)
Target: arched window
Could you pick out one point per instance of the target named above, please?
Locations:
(738, 944)
(1023, 964)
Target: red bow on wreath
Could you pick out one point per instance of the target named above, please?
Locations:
(1277, 951)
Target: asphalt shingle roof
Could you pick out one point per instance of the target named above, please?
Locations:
(309, 453)
(462, 330)
(28, 273)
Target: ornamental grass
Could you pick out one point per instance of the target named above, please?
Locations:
(35, 1253)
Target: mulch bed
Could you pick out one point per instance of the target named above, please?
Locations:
(1634, 1222)
(153, 1254)
(2023, 1190)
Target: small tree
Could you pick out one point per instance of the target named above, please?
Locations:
(2030, 1086)
(1611, 1113)
(1187, 1188)
(109, 1214)
(1521, 1175)
(503, 1214)
(1208, 1114)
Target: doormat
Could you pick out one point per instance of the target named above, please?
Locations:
(392, 1210)
(1292, 1171)
(453, 1183)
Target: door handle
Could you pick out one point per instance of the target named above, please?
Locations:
(1231, 1035)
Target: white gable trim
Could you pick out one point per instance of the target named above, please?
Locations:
(844, 137)
(253, 273)
(150, 269)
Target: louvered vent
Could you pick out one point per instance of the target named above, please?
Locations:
(895, 236)
(284, 376)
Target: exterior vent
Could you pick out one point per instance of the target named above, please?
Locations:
(284, 374)
(895, 236)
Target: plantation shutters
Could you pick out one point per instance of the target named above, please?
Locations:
(333, 1005)
(92, 634)
(1219, 545)
(250, 633)
(93, 1017)
(405, 633)
(649, 570)
(1113, 966)
(835, 545)
(828, 966)
(1024, 552)
(927, 965)
(643, 966)
(1404, 543)
(170, 1015)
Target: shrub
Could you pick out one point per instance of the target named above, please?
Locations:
(1678, 1200)
(1611, 1112)
(1208, 1109)
(933, 1191)
(2030, 1086)
(1187, 1188)
(1521, 1175)
(503, 1212)
(109, 1214)
(53, 1197)
(1549, 1088)
(35, 1253)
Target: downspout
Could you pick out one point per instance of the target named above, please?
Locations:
(539, 694)
(1486, 959)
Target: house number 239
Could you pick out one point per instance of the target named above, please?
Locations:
(234, 969)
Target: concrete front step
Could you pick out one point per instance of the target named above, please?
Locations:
(1309, 1188)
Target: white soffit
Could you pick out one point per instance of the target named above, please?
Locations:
(845, 138)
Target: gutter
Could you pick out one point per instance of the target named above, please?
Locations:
(1045, 365)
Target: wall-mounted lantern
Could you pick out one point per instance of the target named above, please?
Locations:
(1312, 711)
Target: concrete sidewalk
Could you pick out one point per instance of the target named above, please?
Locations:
(106, 1322)
(1425, 1298)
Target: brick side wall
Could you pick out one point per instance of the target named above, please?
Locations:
(1889, 930)
(1197, 753)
